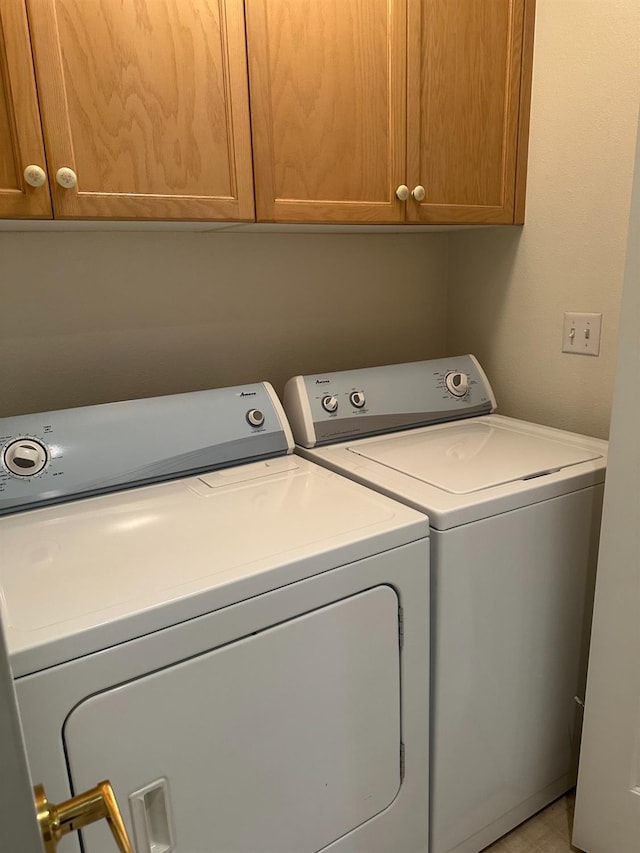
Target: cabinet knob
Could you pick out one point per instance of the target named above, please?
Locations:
(66, 177)
(419, 193)
(35, 176)
(402, 192)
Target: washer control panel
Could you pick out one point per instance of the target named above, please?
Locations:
(331, 407)
(54, 456)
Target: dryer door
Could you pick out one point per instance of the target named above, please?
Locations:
(281, 742)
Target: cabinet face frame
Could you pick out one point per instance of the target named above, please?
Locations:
(524, 117)
(270, 207)
(23, 130)
(513, 154)
(79, 203)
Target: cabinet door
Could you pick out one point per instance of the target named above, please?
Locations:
(468, 84)
(147, 103)
(328, 97)
(21, 142)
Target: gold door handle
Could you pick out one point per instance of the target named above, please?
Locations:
(72, 815)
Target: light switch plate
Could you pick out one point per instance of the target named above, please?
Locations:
(581, 333)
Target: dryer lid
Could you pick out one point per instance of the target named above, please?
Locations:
(465, 458)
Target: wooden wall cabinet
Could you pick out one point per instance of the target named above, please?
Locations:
(362, 111)
(328, 108)
(354, 102)
(21, 142)
(145, 105)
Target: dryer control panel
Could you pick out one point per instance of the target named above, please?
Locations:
(330, 407)
(54, 456)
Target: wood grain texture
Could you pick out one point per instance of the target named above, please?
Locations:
(8, 162)
(524, 111)
(328, 108)
(148, 102)
(21, 142)
(463, 105)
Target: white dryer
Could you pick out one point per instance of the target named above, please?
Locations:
(239, 645)
(514, 510)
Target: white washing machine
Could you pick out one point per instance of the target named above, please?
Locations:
(239, 645)
(514, 510)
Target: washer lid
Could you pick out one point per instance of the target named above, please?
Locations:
(471, 457)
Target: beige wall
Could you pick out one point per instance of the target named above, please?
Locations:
(509, 288)
(95, 317)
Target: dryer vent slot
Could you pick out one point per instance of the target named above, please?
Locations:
(541, 474)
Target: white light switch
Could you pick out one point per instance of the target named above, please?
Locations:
(581, 333)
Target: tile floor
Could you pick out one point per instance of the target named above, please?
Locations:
(547, 832)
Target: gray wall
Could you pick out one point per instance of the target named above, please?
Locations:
(96, 317)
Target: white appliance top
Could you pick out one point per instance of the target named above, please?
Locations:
(81, 576)
(468, 457)
(94, 555)
(443, 452)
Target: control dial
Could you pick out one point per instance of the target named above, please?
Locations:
(357, 399)
(457, 383)
(330, 403)
(25, 457)
(255, 417)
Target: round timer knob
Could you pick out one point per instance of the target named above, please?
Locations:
(457, 384)
(330, 403)
(255, 417)
(357, 399)
(25, 457)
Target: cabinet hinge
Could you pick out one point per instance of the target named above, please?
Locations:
(401, 761)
